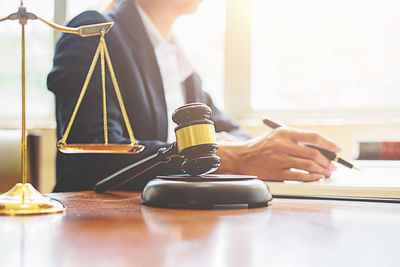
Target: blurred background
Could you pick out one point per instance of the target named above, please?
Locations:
(329, 66)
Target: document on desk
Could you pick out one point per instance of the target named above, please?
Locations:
(377, 180)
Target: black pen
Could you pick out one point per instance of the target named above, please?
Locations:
(329, 154)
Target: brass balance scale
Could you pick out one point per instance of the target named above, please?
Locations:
(23, 198)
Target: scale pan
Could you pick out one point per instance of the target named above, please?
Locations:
(100, 148)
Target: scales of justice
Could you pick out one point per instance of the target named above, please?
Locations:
(23, 198)
(196, 144)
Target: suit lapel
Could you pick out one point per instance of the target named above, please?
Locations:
(127, 15)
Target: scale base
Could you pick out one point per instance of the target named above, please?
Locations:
(206, 191)
(24, 199)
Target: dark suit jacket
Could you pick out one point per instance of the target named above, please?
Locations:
(141, 86)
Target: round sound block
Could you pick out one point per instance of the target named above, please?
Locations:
(206, 191)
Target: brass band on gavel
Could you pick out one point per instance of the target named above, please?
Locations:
(195, 138)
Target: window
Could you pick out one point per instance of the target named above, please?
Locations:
(39, 54)
(74, 7)
(325, 55)
(279, 56)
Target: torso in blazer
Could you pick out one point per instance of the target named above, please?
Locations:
(141, 87)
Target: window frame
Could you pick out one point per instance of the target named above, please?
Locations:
(46, 121)
(238, 81)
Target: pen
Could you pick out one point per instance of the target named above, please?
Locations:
(328, 154)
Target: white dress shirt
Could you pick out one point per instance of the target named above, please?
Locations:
(174, 67)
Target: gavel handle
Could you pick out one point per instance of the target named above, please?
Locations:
(132, 171)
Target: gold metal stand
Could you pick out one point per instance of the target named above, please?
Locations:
(23, 198)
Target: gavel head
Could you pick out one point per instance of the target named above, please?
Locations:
(195, 138)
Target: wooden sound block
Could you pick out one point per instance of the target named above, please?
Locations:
(206, 191)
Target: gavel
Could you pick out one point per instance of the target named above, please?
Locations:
(195, 143)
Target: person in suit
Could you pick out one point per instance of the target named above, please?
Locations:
(155, 78)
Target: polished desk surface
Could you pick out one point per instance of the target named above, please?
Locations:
(117, 230)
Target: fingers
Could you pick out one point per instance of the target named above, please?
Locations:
(316, 156)
(299, 176)
(299, 151)
(306, 165)
(314, 138)
(271, 157)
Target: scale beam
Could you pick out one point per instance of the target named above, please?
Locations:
(84, 31)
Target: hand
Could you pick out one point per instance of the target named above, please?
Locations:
(274, 155)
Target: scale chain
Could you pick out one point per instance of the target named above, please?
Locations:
(82, 94)
(103, 82)
(119, 97)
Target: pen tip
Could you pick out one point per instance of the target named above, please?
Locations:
(355, 168)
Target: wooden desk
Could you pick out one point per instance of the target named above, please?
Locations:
(116, 230)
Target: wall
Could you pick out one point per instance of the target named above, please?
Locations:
(48, 160)
(11, 156)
